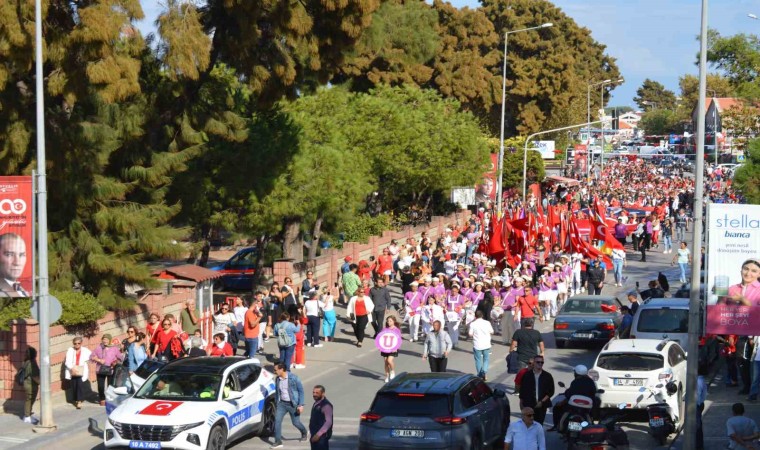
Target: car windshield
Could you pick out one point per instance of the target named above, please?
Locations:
(410, 405)
(574, 306)
(663, 321)
(630, 361)
(181, 386)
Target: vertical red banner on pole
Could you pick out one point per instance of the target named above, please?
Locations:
(16, 236)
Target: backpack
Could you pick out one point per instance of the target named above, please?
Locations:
(21, 375)
(513, 364)
(284, 340)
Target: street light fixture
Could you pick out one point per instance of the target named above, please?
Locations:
(503, 109)
(601, 108)
(588, 115)
(715, 123)
(652, 104)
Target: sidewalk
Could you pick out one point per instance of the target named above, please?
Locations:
(14, 433)
(718, 410)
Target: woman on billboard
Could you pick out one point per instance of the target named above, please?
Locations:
(746, 293)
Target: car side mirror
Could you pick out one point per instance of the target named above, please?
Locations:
(234, 395)
(600, 391)
(561, 384)
(123, 390)
(499, 393)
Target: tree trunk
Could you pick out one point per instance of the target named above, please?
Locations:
(317, 232)
(261, 245)
(292, 244)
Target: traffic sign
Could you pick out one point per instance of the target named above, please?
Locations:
(740, 158)
(54, 306)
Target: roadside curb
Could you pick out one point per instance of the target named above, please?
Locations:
(69, 430)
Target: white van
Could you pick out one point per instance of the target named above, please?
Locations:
(663, 318)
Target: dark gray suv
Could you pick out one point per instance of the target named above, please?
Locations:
(450, 411)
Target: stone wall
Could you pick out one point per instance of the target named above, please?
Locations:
(326, 266)
(13, 343)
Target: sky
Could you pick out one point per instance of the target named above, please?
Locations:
(654, 39)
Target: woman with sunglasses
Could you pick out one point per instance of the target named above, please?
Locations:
(225, 323)
(76, 370)
(162, 339)
(137, 353)
(126, 343)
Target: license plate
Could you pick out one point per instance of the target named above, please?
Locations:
(408, 433)
(628, 381)
(574, 426)
(657, 422)
(583, 335)
(144, 444)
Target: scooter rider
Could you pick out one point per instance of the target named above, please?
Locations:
(581, 385)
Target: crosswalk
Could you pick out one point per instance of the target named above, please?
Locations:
(345, 435)
(9, 441)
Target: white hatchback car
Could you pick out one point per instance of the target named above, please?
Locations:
(624, 366)
(196, 403)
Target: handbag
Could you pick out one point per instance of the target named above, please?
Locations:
(77, 371)
(21, 375)
(105, 370)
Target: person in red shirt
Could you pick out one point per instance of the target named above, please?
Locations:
(385, 265)
(528, 305)
(219, 347)
(162, 339)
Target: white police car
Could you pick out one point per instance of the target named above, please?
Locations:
(196, 403)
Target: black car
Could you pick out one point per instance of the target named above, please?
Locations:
(452, 411)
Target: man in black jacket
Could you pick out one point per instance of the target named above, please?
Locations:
(581, 385)
(654, 291)
(381, 297)
(596, 275)
(321, 420)
(537, 389)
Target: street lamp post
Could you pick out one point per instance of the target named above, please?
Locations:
(695, 322)
(652, 104)
(588, 121)
(601, 108)
(525, 150)
(503, 110)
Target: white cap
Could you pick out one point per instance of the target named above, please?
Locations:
(414, 283)
(580, 369)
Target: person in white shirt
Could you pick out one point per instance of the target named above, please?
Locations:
(480, 331)
(525, 434)
(239, 311)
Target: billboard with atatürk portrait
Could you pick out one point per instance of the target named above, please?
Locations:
(16, 237)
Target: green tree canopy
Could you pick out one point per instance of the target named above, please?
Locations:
(659, 122)
(747, 177)
(738, 57)
(653, 95)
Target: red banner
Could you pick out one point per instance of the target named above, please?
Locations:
(16, 237)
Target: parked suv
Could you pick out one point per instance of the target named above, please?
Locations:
(450, 411)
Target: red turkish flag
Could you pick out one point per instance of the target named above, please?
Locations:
(160, 408)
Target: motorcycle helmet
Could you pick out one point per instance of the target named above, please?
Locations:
(671, 388)
(580, 370)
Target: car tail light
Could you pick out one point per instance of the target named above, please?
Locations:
(598, 447)
(370, 417)
(560, 326)
(606, 326)
(665, 376)
(594, 375)
(656, 417)
(403, 394)
(451, 420)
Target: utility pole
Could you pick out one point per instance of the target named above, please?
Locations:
(43, 298)
(695, 322)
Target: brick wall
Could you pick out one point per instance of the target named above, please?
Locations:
(326, 266)
(13, 343)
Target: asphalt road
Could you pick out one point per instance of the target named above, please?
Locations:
(352, 375)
